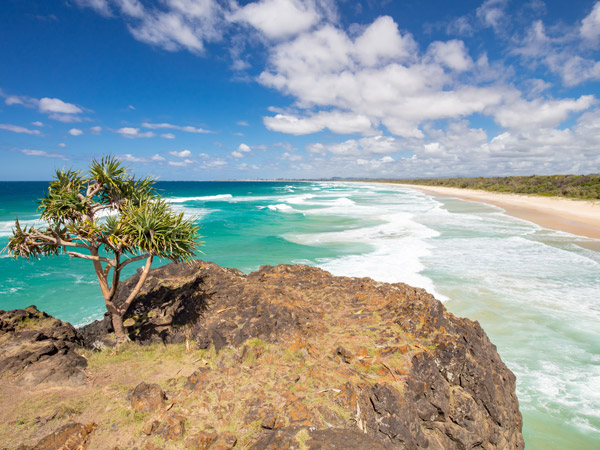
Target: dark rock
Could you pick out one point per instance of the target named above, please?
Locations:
(40, 350)
(344, 354)
(201, 440)
(73, 436)
(225, 441)
(436, 381)
(148, 398)
(172, 427)
(289, 438)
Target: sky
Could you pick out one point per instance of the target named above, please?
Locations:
(225, 89)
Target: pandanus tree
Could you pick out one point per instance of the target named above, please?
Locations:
(112, 219)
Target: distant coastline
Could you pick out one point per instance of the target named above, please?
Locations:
(580, 217)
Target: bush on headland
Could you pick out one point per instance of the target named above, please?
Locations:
(585, 187)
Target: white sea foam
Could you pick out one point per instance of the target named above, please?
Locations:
(206, 198)
(281, 208)
(6, 227)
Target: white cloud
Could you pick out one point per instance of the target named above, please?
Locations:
(381, 42)
(237, 154)
(244, 148)
(100, 6)
(590, 25)
(567, 52)
(181, 154)
(358, 91)
(43, 153)
(242, 123)
(377, 145)
(18, 129)
(452, 54)
(278, 18)
(338, 122)
(183, 163)
(186, 24)
(62, 145)
(287, 156)
(213, 163)
(167, 136)
(65, 118)
(55, 105)
(538, 113)
(131, 107)
(187, 129)
(37, 123)
(170, 24)
(75, 132)
(130, 158)
(492, 13)
(131, 133)
(157, 157)
(95, 130)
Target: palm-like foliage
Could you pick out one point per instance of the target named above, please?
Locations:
(139, 225)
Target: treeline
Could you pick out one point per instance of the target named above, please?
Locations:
(571, 186)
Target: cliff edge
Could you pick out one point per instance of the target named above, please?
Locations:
(290, 357)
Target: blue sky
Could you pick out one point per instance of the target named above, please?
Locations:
(207, 89)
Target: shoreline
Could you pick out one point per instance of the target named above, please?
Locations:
(578, 217)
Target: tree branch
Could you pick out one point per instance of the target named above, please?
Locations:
(58, 240)
(134, 259)
(116, 276)
(123, 309)
(93, 189)
(90, 257)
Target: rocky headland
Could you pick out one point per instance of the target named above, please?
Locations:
(287, 357)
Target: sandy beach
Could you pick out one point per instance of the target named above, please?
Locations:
(580, 217)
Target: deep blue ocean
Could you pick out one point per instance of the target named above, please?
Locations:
(536, 292)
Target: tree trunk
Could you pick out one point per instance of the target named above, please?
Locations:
(120, 331)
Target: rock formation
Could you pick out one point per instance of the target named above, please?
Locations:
(39, 350)
(291, 357)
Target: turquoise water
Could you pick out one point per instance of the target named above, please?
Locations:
(534, 291)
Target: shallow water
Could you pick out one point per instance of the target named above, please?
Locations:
(534, 291)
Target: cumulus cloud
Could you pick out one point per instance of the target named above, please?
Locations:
(167, 136)
(157, 158)
(337, 121)
(397, 87)
(492, 13)
(55, 105)
(377, 145)
(130, 158)
(568, 52)
(132, 133)
(37, 123)
(75, 132)
(95, 130)
(172, 24)
(185, 162)
(523, 114)
(18, 129)
(181, 154)
(44, 154)
(187, 129)
(278, 18)
(590, 25)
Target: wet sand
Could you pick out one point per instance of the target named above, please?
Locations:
(580, 217)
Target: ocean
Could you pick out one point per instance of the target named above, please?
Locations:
(534, 291)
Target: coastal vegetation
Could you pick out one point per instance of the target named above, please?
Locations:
(583, 187)
(112, 217)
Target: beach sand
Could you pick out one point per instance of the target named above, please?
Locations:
(580, 217)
